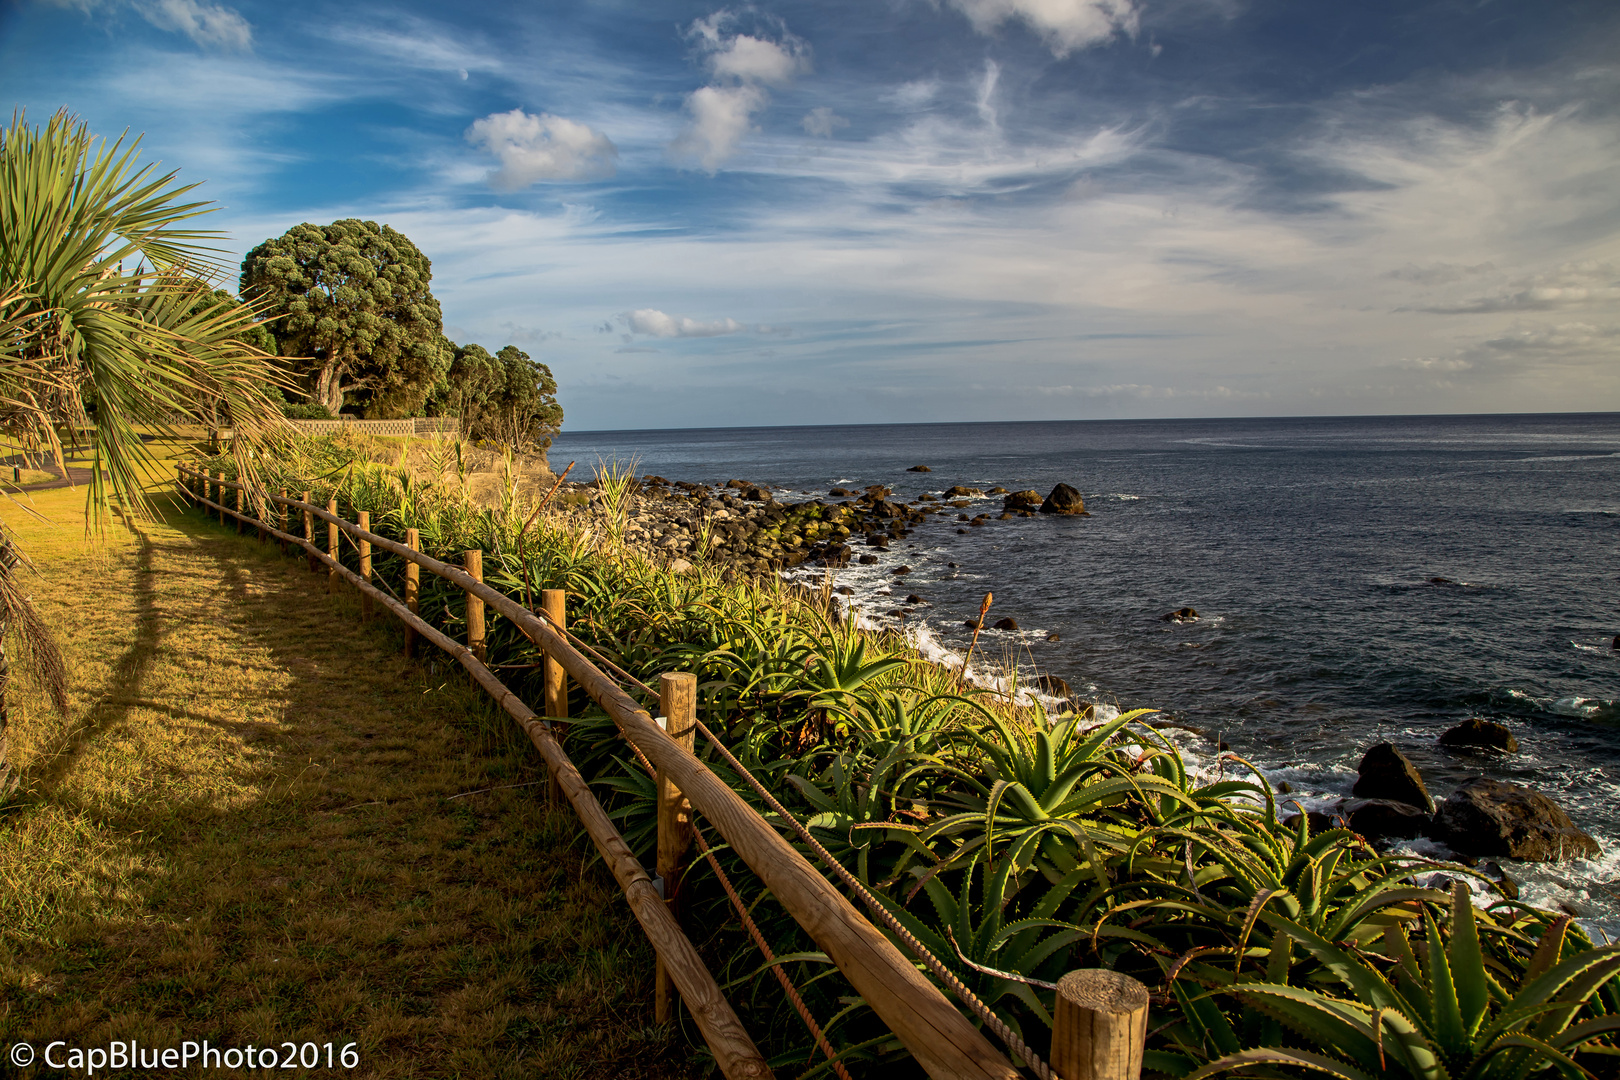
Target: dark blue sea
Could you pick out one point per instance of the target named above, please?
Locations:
(1310, 548)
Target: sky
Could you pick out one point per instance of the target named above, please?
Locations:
(888, 211)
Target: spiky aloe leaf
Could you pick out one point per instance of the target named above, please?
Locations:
(1467, 962)
(1446, 1016)
(1298, 1058)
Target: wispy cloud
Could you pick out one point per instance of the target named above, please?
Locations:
(213, 26)
(822, 122)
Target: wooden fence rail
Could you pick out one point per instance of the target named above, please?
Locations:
(942, 1040)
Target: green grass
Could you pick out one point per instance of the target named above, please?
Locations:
(259, 823)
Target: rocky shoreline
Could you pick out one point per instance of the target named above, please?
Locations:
(743, 524)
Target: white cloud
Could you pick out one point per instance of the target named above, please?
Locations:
(212, 26)
(753, 59)
(544, 147)
(721, 117)
(742, 65)
(822, 122)
(655, 323)
(1065, 25)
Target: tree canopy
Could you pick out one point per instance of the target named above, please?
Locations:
(352, 299)
(507, 397)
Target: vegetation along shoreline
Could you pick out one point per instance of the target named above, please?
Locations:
(1031, 836)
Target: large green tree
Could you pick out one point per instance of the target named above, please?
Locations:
(508, 397)
(352, 298)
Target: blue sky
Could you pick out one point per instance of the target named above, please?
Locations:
(910, 210)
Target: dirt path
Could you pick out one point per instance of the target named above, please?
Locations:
(261, 825)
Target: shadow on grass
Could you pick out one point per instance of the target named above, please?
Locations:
(252, 839)
(128, 675)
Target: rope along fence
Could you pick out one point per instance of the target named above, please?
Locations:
(1101, 1017)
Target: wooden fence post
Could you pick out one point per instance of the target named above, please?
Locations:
(363, 519)
(332, 577)
(309, 533)
(1100, 1027)
(473, 563)
(677, 700)
(237, 517)
(221, 500)
(554, 605)
(281, 520)
(413, 588)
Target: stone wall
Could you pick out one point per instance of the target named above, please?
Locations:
(421, 425)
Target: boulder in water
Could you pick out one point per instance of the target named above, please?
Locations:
(959, 492)
(1478, 734)
(1320, 822)
(1385, 819)
(1063, 500)
(996, 491)
(919, 468)
(867, 560)
(1051, 684)
(839, 493)
(1492, 817)
(1386, 773)
(1021, 500)
(1008, 623)
(1180, 615)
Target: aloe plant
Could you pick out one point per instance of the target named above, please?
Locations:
(1429, 1012)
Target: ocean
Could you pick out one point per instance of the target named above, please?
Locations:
(1357, 579)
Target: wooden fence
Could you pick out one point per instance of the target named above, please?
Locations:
(1101, 1017)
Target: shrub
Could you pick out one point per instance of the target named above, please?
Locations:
(306, 412)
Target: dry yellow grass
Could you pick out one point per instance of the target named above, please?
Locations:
(256, 825)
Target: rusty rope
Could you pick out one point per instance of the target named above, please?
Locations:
(747, 920)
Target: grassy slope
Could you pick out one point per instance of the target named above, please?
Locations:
(245, 833)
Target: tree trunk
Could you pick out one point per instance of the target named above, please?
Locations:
(8, 776)
(328, 385)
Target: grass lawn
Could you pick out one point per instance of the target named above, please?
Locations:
(260, 824)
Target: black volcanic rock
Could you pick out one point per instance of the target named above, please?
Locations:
(1491, 817)
(1021, 500)
(1063, 500)
(1478, 734)
(1386, 773)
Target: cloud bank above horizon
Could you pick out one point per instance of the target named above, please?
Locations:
(805, 212)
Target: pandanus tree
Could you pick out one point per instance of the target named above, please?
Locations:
(108, 334)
